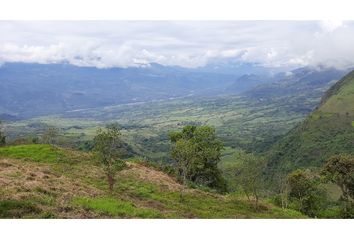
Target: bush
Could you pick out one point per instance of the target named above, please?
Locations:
(306, 193)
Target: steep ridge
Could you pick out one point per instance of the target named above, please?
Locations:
(328, 130)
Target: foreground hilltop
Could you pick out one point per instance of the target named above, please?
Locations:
(327, 131)
(41, 181)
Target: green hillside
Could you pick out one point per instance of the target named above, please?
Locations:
(41, 181)
(327, 131)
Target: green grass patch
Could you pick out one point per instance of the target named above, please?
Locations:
(34, 152)
(115, 207)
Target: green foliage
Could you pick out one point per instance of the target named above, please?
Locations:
(339, 169)
(34, 152)
(249, 173)
(108, 149)
(306, 194)
(197, 152)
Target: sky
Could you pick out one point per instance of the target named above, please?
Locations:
(191, 44)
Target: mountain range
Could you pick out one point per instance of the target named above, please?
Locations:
(30, 90)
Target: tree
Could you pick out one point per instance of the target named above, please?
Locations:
(184, 153)
(50, 135)
(339, 170)
(108, 149)
(2, 136)
(197, 151)
(249, 172)
(305, 192)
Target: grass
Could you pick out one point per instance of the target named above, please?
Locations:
(115, 207)
(196, 203)
(77, 189)
(17, 208)
(340, 97)
(35, 152)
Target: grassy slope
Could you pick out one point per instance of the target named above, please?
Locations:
(327, 131)
(39, 181)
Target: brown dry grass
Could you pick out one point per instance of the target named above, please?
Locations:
(147, 174)
(21, 180)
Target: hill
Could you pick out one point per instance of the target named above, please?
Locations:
(40, 181)
(328, 130)
(300, 89)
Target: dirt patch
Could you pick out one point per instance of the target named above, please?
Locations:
(153, 176)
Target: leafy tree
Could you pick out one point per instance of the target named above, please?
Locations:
(249, 174)
(108, 149)
(339, 170)
(2, 136)
(50, 135)
(197, 151)
(306, 193)
(184, 153)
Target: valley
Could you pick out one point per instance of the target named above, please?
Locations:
(260, 119)
(252, 120)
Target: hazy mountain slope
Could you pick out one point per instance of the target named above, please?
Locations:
(302, 82)
(29, 90)
(327, 131)
(247, 82)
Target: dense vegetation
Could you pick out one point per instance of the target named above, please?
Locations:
(319, 144)
(197, 152)
(329, 130)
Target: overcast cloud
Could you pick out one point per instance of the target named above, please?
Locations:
(187, 44)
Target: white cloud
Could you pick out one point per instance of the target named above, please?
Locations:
(183, 43)
(331, 25)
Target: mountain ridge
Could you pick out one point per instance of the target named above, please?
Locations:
(327, 131)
